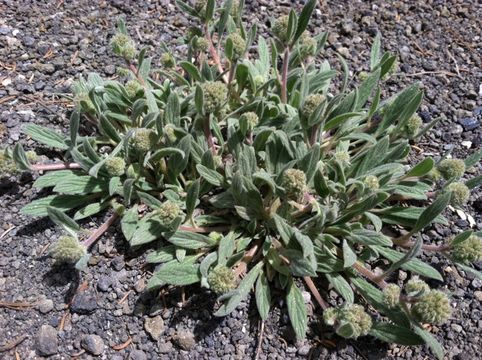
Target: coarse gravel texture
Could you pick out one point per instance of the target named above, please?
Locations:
(45, 46)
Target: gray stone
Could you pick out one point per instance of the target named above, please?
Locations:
(165, 348)
(304, 350)
(110, 69)
(185, 339)
(104, 283)
(93, 344)
(47, 342)
(456, 327)
(137, 355)
(83, 304)
(154, 326)
(478, 295)
(46, 306)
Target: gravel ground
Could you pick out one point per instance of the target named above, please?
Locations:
(104, 312)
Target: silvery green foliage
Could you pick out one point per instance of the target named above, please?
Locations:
(248, 168)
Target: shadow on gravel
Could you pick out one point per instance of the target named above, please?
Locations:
(60, 276)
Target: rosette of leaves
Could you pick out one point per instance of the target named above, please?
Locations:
(294, 196)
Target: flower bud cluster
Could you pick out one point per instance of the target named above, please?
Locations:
(391, 295)
(68, 249)
(468, 251)
(294, 183)
(251, 119)
(221, 280)
(432, 307)
(350, 321)
(311, 103)
(144, 140)
(215, 93)
(239, 45)
(133, 87)
(124, 46)
(115, 166)
(451, 168)
(371, 181)
(168, 211)
(167, 60)
(460, 193)
(280, 28)
(412, 127)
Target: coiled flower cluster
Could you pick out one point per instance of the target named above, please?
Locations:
(144, 140)
(115, 166)
(215, 93)
(468, 251)
(311, 103)
(432, 307)
(168, 211)
(350, 321)
(68, 249)
(124, 46)
(451, 168)
(221, 280)
(294, 183)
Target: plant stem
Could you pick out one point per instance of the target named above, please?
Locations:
(284, 76)
(314, 134)
(208, 134)
(214, 52)
(100, 230)
(232, 71)
(309, 282)
(241, 269)
(428, 247)
(369, 275)
(52, 167)
(204, 229)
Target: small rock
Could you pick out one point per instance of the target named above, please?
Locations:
(469, 124)
(47, 342)
(304, 350)
(185, 340)
(306, 297)
(154, 326)
(140, 285)
(93, 344)
(45, 306)
(83, 304)
(456, 327)
(457, 129)
(104, 283)
(165, 348)
(137, 355)
(118, 263)
(28, 41)
(44, 68)
(110, 69)
(343, 51)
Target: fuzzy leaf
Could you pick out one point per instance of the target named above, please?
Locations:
(190, 240)
(46, 136)
(263, 296)
(297, 310)
(391, 333)
(175, 273)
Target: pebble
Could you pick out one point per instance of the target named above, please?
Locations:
(154, 326)
(137, 355)
(104, 283)
(185, 340)
(304, 350)
(165, 347)
(469, 124)
(83, 304)
(47, 342)
(93, 344)
(46, 306)
(456, 328)
(478, 295)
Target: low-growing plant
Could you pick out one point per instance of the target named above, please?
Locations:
(247, 168)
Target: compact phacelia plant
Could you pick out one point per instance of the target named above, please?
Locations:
(247, 168)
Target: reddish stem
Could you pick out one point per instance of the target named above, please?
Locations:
(323, 304)
(284, 76)
(214, 53)
(209, 135)
(204, 229)
(241, 269)
(369, 275)
(51, 167)
(100, 230)
(428, 247)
